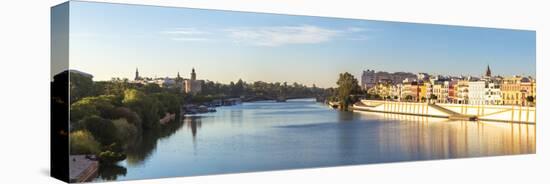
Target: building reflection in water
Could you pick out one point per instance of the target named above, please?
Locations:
(193, 123)
(440, 138)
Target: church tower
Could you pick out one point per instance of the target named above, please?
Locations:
(137, 75)
(488, 72)
(193, 74)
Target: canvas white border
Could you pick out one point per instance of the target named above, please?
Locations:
(25, 62)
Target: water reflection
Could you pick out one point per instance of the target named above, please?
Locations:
(437, 138)
(193, 123)
(111, 172)
(303, 134)
(139, 151)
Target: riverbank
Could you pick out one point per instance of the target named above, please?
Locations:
(83, 168)
(502, 113)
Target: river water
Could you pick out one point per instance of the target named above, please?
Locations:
(301, 133)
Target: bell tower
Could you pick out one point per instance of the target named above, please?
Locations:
(193, 74)
(137, 74)
(488, 72)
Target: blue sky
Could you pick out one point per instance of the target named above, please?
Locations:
(111, 40)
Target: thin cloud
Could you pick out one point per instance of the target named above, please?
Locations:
(356, 29)
(360, 38)
(281, 35)
(286, 35)
(185, 31)
(186, 34)
(270, 36)
(190, 39)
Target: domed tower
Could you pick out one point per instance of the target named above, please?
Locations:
(193, 74)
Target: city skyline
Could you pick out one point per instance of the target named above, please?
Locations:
(111, 40)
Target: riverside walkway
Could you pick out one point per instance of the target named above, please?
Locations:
(505, 113)
(83, 168)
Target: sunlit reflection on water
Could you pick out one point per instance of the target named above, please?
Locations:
(264, 136)
(425, 137)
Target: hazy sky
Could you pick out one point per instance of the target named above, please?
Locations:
(111, 40)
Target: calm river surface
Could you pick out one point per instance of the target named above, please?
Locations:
(262, 136)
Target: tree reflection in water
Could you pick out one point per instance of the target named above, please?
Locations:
(111, 172)
(140, 149)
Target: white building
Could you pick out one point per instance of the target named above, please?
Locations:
(493, 95)
(484, 92)
(370, 78)
(476, 92)
(395, 91)
(166, 82)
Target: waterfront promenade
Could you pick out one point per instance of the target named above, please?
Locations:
(504, 113)
(82, 168)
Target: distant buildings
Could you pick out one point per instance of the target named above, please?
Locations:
(422, 87)
(517, 89)
(410, 91)
(370, 78)
(382, 89)
(461, 91)
(190, 86)
(492, 94)
(476, 92)
(441, 91)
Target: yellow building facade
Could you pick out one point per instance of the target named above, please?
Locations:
(517, 90)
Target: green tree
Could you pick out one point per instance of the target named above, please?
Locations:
(239, 88)
(109, 157)
(88, 106)
(170, 102)
(80, 86)
(145, 106)
(114, 87)
(103, 130)
(347, 86)
(82, 142)
(126, 132)
(152, 88)
(127, 114)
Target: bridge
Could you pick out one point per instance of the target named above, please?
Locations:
(271, 97)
